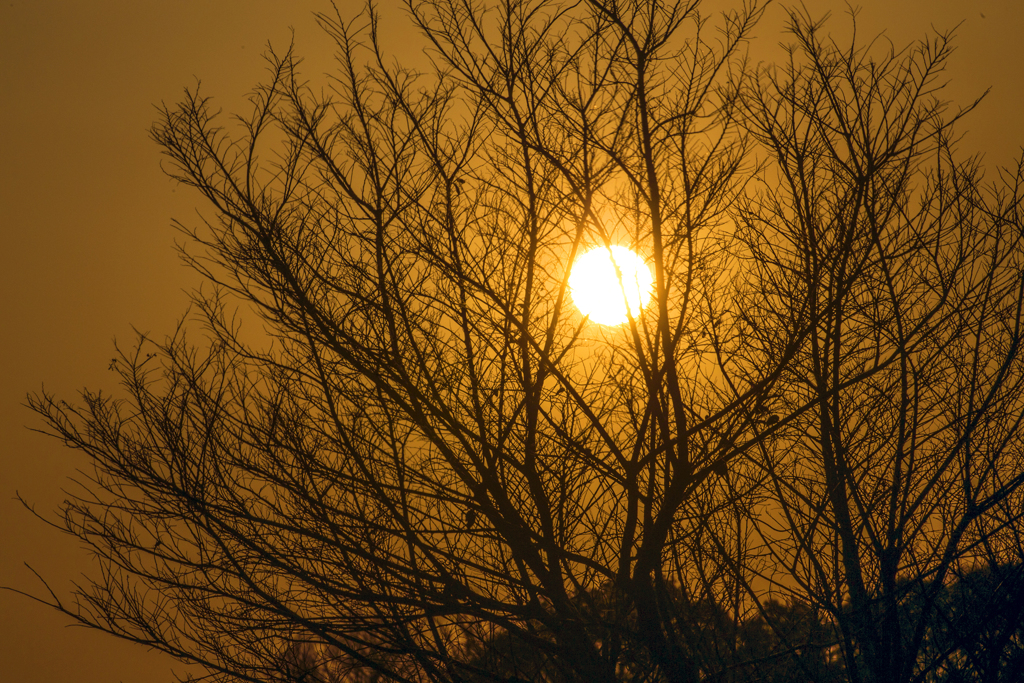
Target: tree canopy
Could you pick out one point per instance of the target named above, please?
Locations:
(434, 468)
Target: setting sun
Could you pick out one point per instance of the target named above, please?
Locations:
(604, 281)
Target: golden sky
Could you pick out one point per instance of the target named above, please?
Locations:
(87, 244)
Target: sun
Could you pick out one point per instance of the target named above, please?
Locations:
(605, 280)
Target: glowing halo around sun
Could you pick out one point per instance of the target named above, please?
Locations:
(598, 292)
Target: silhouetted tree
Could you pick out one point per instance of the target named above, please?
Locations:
(977, 630)
(434, 449)
(781, 643)
(891, 441)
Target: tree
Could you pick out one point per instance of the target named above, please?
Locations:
(896, 463)
(977, 633)
(435, 450)
(783, 643)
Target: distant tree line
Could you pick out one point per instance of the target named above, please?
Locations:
(975, 634)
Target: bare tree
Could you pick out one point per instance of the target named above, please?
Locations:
(435, 449)
(893, 458)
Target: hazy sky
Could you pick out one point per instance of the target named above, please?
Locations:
(87, 243)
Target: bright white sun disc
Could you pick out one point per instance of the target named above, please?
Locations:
(605, 282)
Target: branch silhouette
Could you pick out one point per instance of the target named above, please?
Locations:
(430, 466)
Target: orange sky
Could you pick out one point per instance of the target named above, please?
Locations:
(87, 243)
